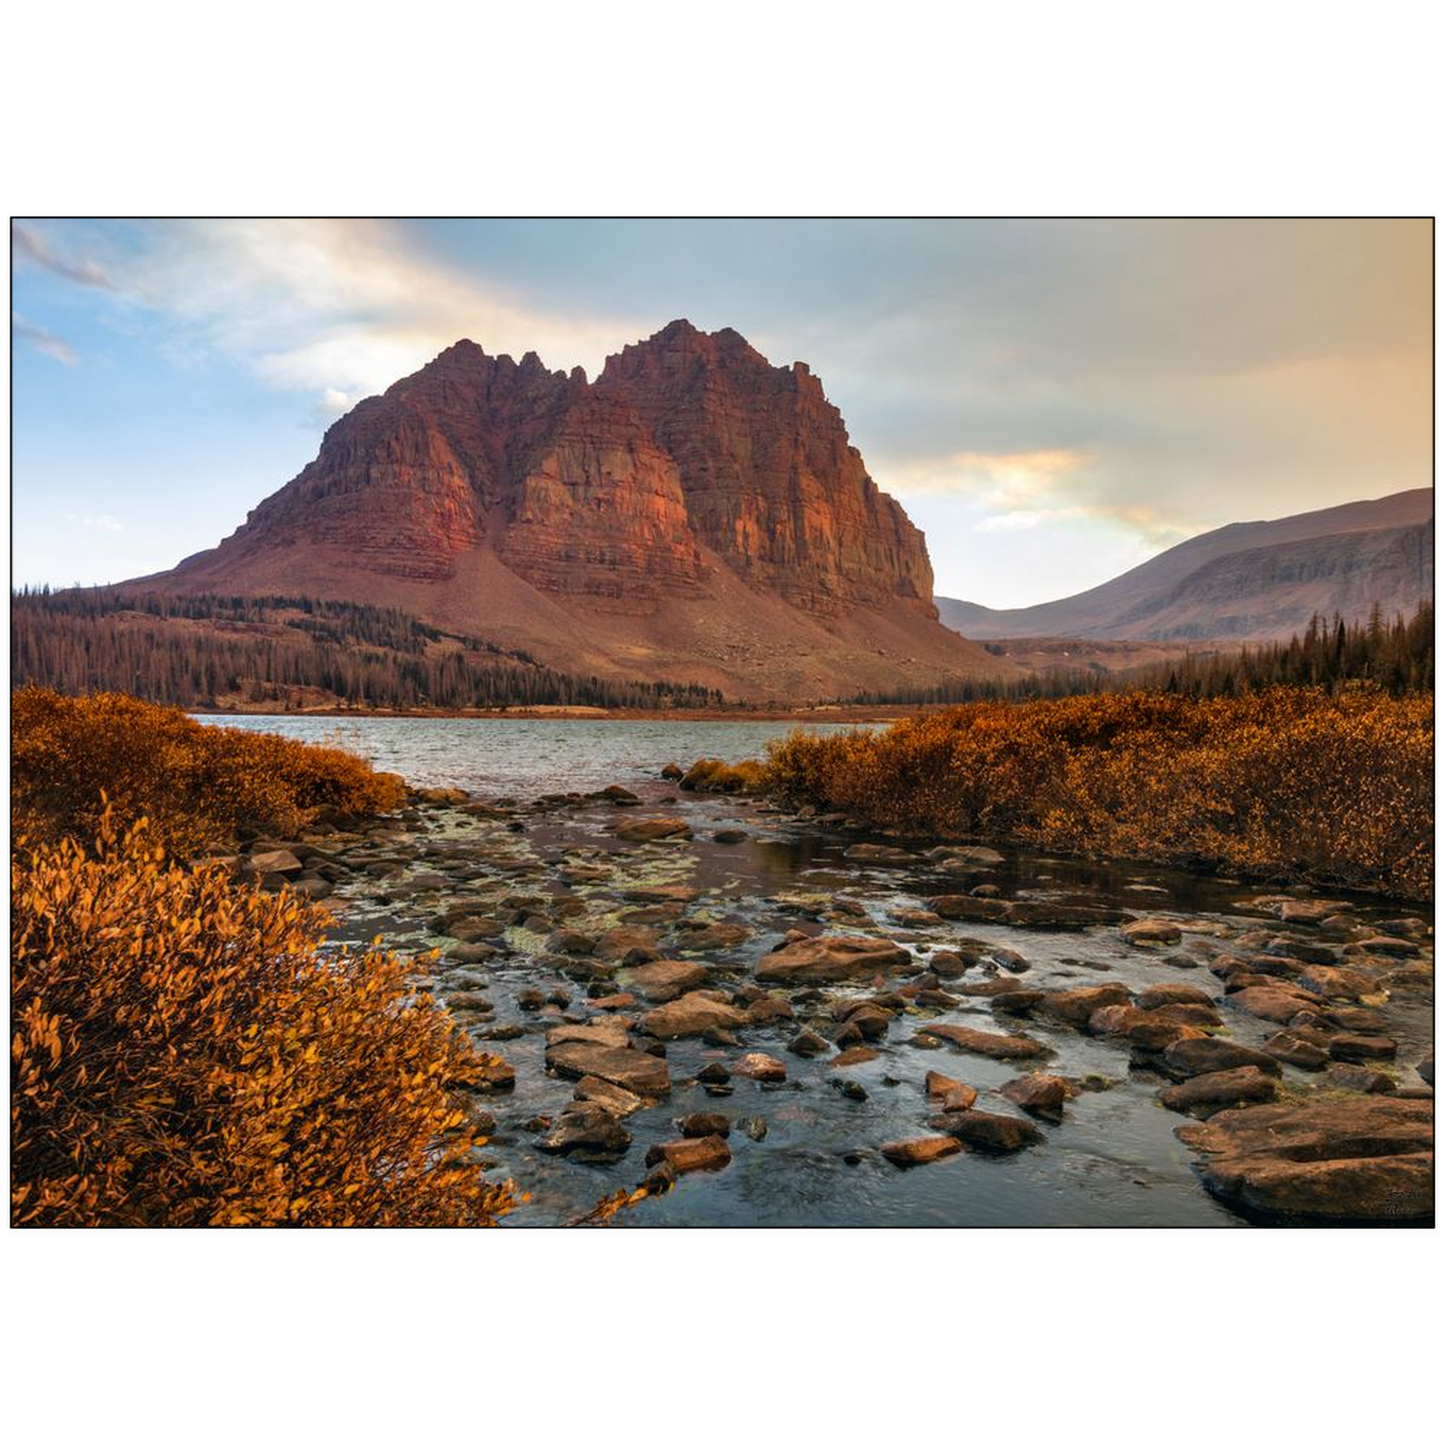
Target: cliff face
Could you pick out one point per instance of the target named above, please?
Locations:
(696, 513)
(771, 482)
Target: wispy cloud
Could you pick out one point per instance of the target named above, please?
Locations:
(101, 523)
(42, 340)
(28, 245)
(341, 309)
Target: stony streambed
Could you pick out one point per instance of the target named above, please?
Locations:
(793, 1024)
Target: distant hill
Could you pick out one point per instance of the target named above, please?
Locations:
(1247, 582)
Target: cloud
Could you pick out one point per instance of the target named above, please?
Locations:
(102, 523)
(341, 309)
(1000, 479)
(42, 340)
(28, 245)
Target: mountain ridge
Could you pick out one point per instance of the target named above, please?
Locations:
(1244, 582)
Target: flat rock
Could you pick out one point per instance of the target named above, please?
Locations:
(1356, 1048)
(1208, 1093)
(1366, 1158)
(685, 1155)
(1190, 1057)
(1077, 1005)
(628, 1069)
(692, 1014)
(879, 853)
(966, 906)
(907, 1153)
(1290, 1047)
(663, 980)
(990, 1045)
(1147, 932)
(1162, 995)
(1277, 1005)
(619, 1102)
(652, 830)
(1346, 983)
(763, 1067)
(832, 959)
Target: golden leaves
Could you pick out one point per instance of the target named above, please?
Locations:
(1290, 780)
(182, 1055)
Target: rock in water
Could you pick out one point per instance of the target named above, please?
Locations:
(832, 959)
(1367, 1158)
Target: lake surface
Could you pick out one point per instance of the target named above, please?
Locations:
(1113, 1160)
(527, 756)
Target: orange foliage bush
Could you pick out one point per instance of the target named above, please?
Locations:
(183, 1053)
(1290, 781)
(198, 785)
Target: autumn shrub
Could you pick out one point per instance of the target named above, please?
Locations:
(200, 786)
(1286, 782)
(713, 775)
(184, 1052)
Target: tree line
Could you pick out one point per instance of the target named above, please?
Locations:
(211, 651)
(1397, 656)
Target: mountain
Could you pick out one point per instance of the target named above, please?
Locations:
(1250, 581)
(695, 514)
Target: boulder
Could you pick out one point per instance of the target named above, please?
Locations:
(588, 1132)
(808, 1044)
(277, 862)
(1042, 1094)
(699, 1126)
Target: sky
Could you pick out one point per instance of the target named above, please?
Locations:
(1053, 402)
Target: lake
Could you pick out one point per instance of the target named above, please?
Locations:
(527, 756)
